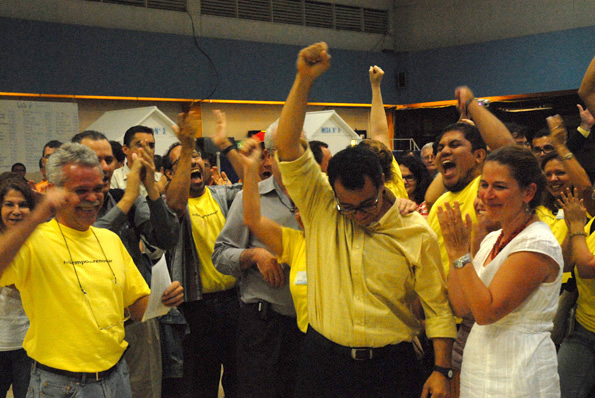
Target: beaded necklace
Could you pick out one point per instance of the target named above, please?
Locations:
(499, 246)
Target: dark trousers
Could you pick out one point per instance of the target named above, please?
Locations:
(269, 345)
(15, 369)
(328, 370)
(210, 345)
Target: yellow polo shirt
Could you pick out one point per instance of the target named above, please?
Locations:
(557, 225)
(362, 281)
(585, 304)
(465, 197)
(396, 184)
(207, 222)
(294, 255)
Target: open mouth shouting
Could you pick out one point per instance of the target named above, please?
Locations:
(196, 175)
(448, 168)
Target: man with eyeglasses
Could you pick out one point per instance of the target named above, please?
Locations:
(366, 264)
(541, 144)
(132, 216)
(78, 284)
(269, 339)
(211, 301)
(135, 138)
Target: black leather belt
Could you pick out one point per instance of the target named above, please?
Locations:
(84, 377)
(220, 295)
(358, 353)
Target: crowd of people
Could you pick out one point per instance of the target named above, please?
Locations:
(465, 272)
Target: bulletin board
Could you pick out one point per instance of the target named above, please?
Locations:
(25, 127)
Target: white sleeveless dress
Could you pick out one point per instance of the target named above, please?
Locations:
(515, 356)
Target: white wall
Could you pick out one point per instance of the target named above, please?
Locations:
(427, 24)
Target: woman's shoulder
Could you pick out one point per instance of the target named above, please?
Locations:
(538, 237)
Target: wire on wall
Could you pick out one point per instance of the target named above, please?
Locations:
(213, 66)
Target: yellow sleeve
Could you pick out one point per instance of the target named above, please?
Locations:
(395, 184)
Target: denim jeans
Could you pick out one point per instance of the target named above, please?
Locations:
(15, 368)
(47, 384)
(576, 363)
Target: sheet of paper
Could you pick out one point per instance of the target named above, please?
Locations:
(160, 281)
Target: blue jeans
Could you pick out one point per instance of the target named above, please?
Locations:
(47, 384)
(15, 368)
(576, 363)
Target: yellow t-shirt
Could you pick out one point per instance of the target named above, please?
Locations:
(585, 304)
(396, 184)
(362, 281)
(465, 197)
(207, 222)
(294, 255)
(65, 326)
(558, 227)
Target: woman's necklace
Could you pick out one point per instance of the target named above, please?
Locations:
(501, 245)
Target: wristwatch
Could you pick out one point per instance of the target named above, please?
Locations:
(447, 372)
(462, 261)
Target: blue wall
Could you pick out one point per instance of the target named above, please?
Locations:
(49, 58)
(530, 64)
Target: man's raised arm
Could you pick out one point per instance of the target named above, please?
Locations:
(493, 131)
(312, 62)
(587, 88)
(179, 187)
(378, 122)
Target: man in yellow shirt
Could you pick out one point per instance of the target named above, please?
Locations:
(366, 265)
(78, 284)
(460, 155)
(211, 302)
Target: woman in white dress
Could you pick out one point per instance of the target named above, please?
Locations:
(511, 286)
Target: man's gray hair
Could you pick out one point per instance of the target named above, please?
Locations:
(429, 145)
(69, 153)
(269, 135)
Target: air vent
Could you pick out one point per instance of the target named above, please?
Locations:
(140, 3)
(258, 10)
(172, 5)
(375, 21)
(319, 15)
(348, 18)
(219, 8)
(288, 11)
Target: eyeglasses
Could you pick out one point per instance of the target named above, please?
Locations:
(409, 177)
(545, 149)
(364, 208)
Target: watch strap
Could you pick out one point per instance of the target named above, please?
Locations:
(447, 372)
(462, 261)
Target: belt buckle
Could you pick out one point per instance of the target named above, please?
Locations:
(362, 354)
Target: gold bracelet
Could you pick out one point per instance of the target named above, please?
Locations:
(577, 234)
